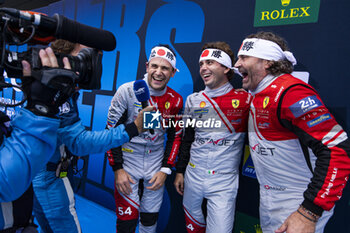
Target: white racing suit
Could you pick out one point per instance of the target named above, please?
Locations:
(143, 156)
(286, 120)
(212, 152)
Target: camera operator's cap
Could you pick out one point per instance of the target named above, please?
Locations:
(165, 53)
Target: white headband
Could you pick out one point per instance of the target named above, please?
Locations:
(165, 53)
(216, 55)
(265, 49)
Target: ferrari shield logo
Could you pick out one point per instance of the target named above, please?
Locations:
(167, 105)
(235, 103)
(266, 101)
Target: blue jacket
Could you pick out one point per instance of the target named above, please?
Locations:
(54, 203)
(80, 141)
(25, 152)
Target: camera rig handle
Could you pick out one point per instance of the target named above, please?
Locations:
(60, 79)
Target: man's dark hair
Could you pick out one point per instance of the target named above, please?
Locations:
(277, 67)
(62, 46)
(224, 47)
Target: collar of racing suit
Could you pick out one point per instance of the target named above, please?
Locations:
(264, 83)
(219, 91)
(153, 92)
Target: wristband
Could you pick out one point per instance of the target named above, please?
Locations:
(310, 219)
(315, 216)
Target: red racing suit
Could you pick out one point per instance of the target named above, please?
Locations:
(300, 152)
(144, 155)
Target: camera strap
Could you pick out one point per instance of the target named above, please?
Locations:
(62, 167)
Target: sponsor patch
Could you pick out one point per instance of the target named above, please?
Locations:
(137, 104)
(266, 101)
(201, 111)
(236, 122)
(319, 120)
(111, 122)
(202, 104)
(264, 125)
(275, 188)
(235, 103)
(305, 105)
(127, 150)
(215, 142)
(261, 150)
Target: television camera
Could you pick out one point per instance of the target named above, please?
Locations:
(36, 29)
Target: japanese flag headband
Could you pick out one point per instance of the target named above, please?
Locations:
(165, 53)
(216, 55)
(265, 49)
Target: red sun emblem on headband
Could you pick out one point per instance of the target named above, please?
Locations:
(161, 52)
(241, 46)
(205, 53)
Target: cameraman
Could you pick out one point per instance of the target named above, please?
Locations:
(33, 141)
(27, 144)
(54, 204)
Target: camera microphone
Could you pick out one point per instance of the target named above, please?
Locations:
(142, 95)
(63, 28)
(80, 33)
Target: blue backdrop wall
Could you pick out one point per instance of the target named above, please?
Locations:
(318, 35)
